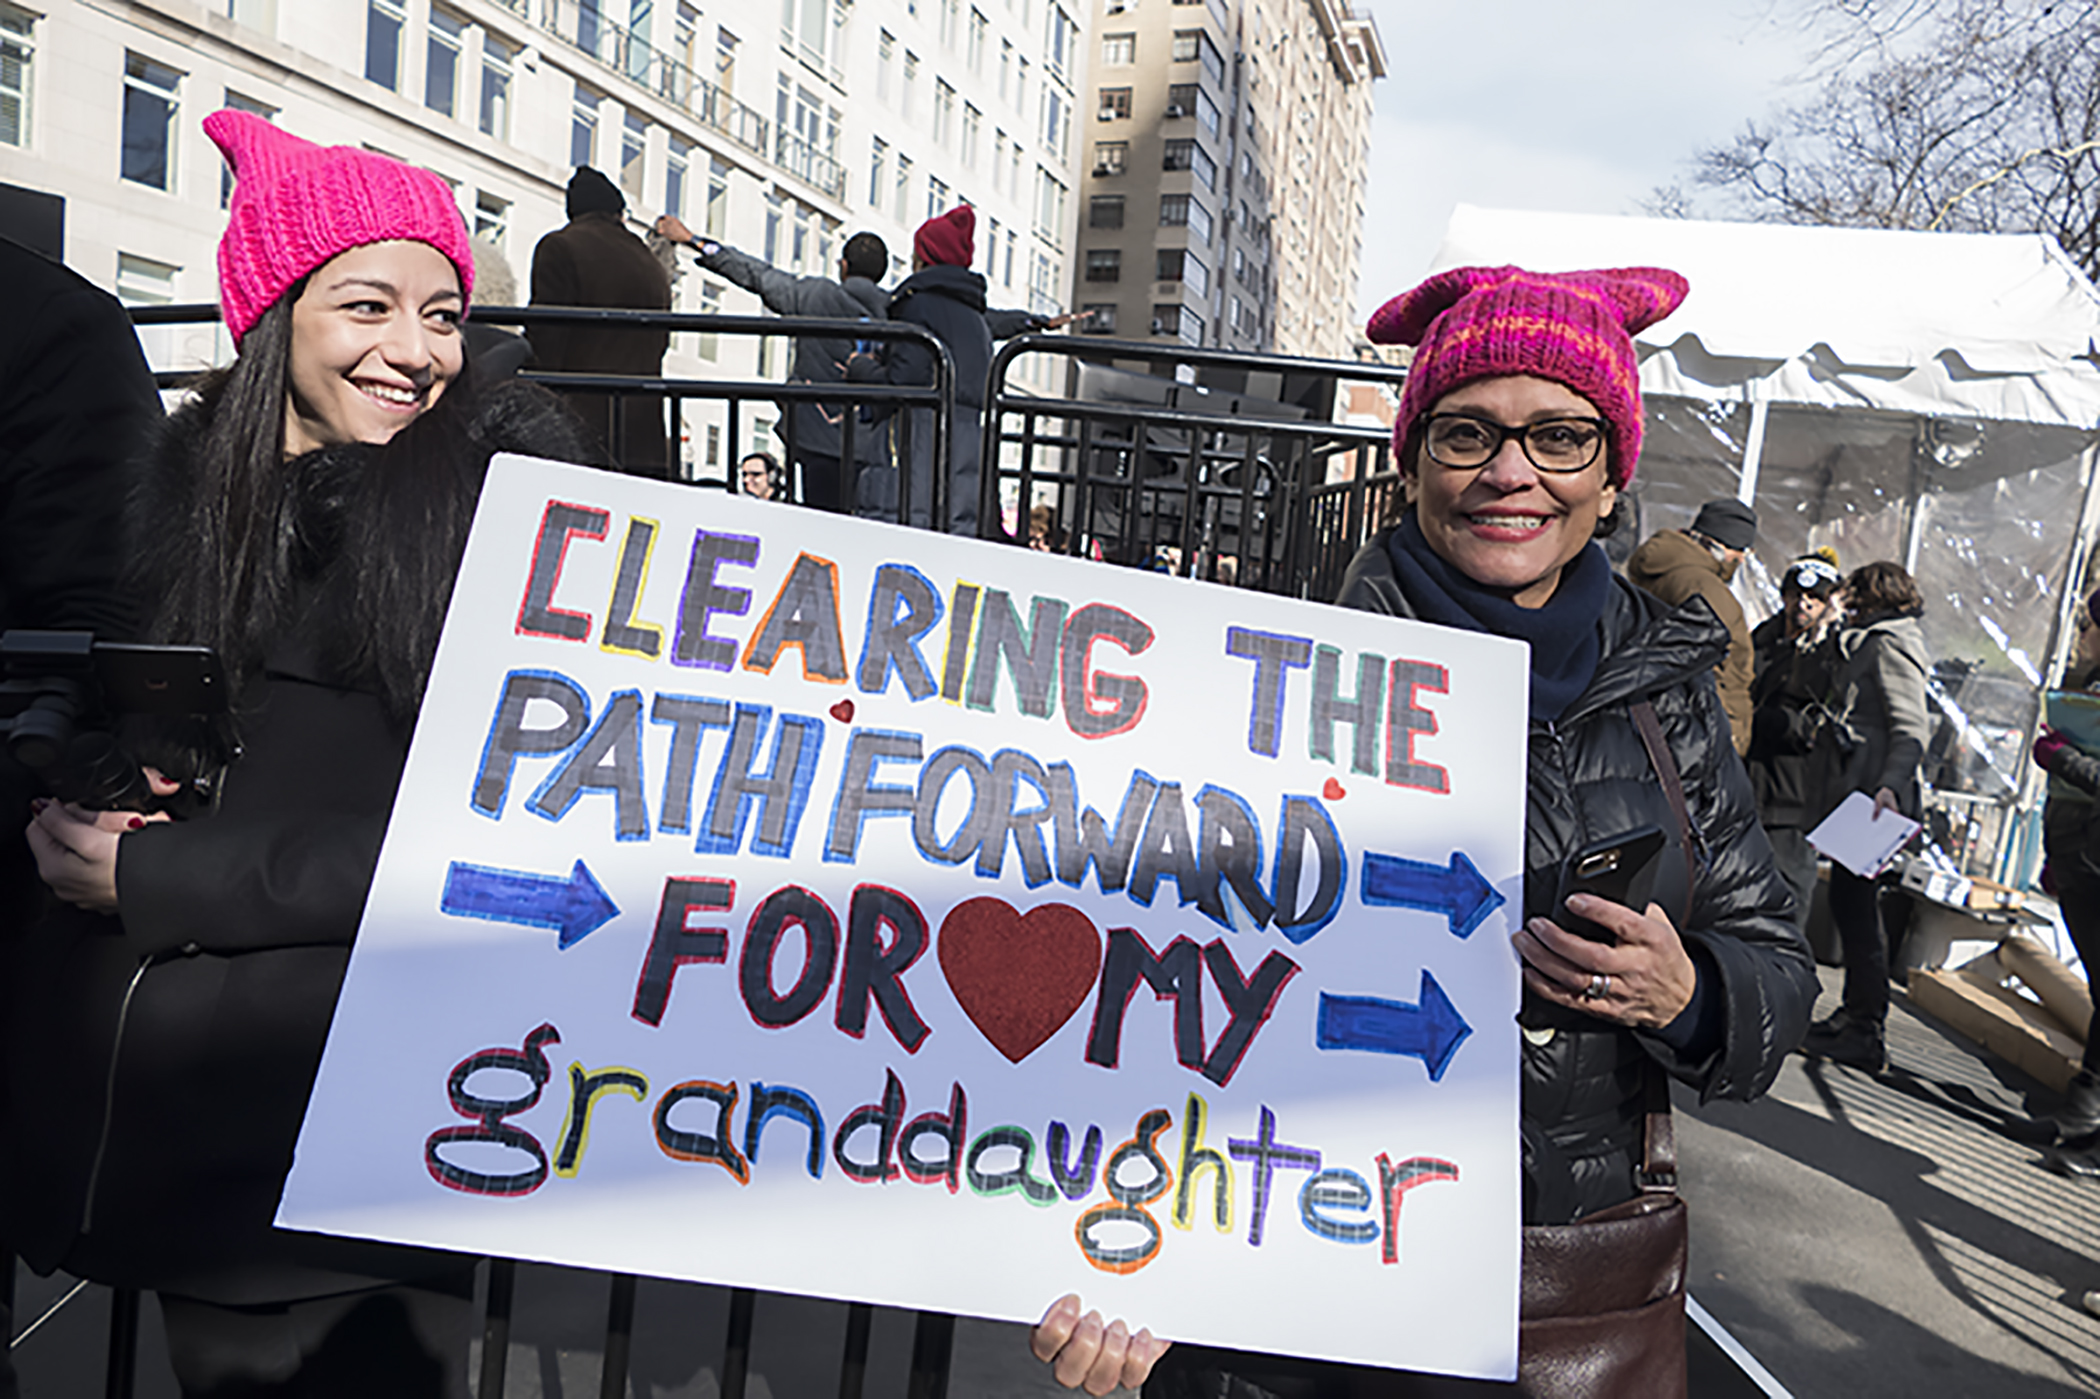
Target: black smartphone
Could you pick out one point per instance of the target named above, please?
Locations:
(160, 679)
(1622, 869)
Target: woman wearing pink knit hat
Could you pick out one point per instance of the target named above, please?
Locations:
(303, 515)
(1519, 425)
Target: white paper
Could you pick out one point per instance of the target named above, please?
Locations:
(1859, 838)
(486, 1088)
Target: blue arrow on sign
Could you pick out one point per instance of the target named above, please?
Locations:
(1459, 892)
(574, 907)
(1431, 1030)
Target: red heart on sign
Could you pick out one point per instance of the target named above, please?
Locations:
(1334, 791)
(843, 711)
(1019, 977)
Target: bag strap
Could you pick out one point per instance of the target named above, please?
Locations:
(1658, 1173)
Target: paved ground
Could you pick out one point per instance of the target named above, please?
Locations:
(1861, 1237)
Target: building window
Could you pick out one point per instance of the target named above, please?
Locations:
(1104, 211)
(1049, 205)
(1185, 45)
(1191, 328)
(805, 26)
(143, 282)
(725, 60)
(979, 25)
(1205, 169)
(1207, 120)
(583, 126)
(1194, 275)
(717, 200)
(1173, 210)
(149, 122)
(1115, 104)
(634, 147)
(973, 122)
(936, 198)
(240, 103)
(1181, 100)
(491, 218)
(943, 112)
(441, 62)
(710, 346)
(885, 59)
(384, 21)
(17, 62)
(901, 203)
(906, 98)
(1059, 42)
(1118, 48)
(1006, 277)
(496, 58)
(1057, 122)
(1179, 154)
(1167, 265)
(951, 15)
(1110, 157)
(1100, 318)
(1006, 63)
(1198, 221)
(676, 167)
(1104, 265)
(1166, 319)
(878, 157)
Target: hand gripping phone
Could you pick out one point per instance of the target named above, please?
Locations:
(1622, 868)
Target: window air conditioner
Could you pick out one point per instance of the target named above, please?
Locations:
(1175, 109)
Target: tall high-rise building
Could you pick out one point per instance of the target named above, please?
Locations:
(779, 128)
(1223, 177)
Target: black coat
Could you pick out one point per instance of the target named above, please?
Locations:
(1794, 700)
(163, 1058)
(1591, 778)
(1582, 1079)
(594, 261)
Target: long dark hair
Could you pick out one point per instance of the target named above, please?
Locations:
(237, 548)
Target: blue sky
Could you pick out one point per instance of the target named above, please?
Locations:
(1581, 106)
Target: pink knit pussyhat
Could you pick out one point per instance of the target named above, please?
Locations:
(296, 205)
(1575, 328)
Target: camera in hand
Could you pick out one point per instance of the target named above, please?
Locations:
(63, 695)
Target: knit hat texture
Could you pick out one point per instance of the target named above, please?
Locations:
(948, 240)
(1575, 328)
(591, 193)
(1728, 523)
(296, 205)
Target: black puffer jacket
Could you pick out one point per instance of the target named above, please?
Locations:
(1590, 778)
(161, 1060)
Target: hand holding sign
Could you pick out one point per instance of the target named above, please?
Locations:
(1085, 1352)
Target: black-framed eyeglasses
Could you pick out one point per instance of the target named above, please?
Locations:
(1466, 443)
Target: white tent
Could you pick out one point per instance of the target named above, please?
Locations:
(1926, 397)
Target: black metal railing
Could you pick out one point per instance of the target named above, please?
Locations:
(1206, 480)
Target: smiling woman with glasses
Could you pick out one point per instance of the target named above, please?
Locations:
(1519, 425)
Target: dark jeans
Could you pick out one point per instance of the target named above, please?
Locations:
(1855, 907)
(408, 1340)
(2078, 895)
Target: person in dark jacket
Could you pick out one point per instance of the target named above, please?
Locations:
(77, 404)
(1674, 564)
(945, 296)
(1877, 747)
(593, 261)
(2071, 842)
(304, 515)
(813, 436)
(1796, 654)
(1519, 424)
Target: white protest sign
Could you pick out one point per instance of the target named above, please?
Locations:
(788, 901)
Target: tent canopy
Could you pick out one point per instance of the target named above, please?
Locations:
(1993, 326)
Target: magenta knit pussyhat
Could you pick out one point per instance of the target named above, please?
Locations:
(1575, 328)
(296, 205)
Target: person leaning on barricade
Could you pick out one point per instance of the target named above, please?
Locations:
(304, 514)
(814, 446)
(1519, 425)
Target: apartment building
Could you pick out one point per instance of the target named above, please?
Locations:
(1224, 172)
(781, 129)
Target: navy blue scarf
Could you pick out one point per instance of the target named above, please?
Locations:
(1563, 633)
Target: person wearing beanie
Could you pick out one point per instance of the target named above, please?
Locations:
(302, 514)
(1519, 424)
(594, 261)
(1795, 662)
(812, 432)
(948, 299)
(1679, 564)
(2071, 871)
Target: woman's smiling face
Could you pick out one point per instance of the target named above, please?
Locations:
(1508, 525)
(375, 341)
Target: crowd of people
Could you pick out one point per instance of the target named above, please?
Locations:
(303, 513)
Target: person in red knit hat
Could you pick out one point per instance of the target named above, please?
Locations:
(947, 298)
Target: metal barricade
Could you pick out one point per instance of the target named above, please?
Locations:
(1165, 471)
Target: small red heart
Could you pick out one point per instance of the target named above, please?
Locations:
(1019, 977)
(1334, 791)
(843, 711)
